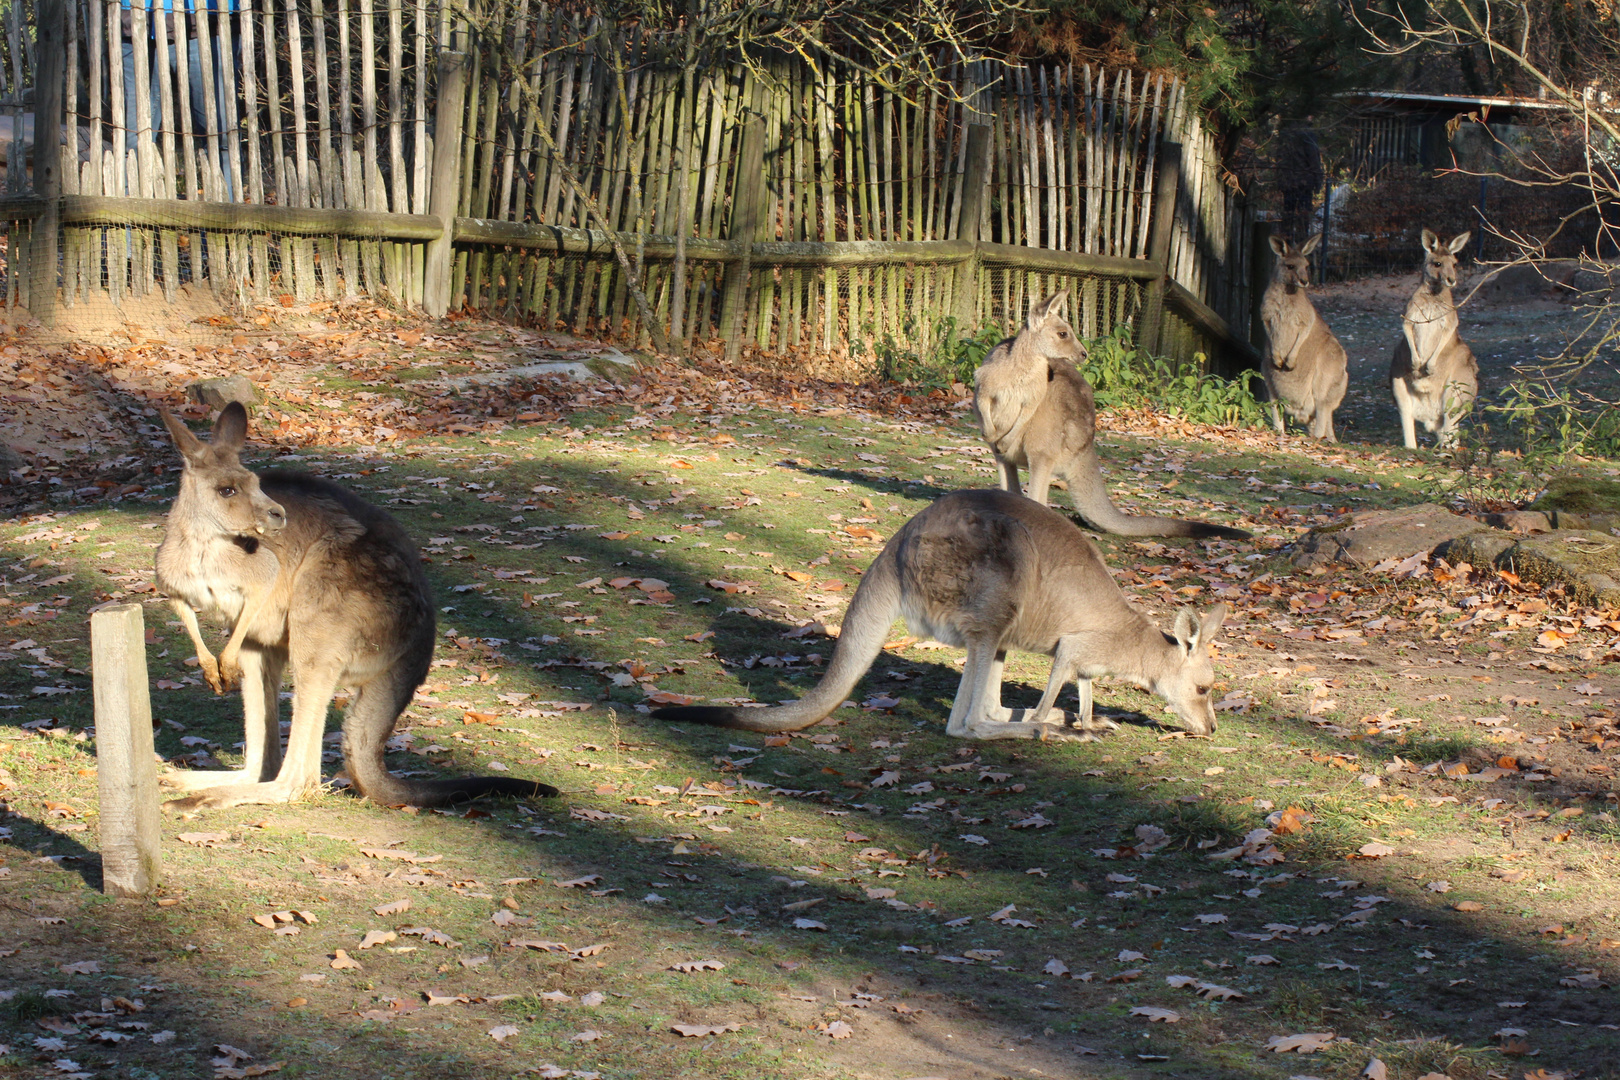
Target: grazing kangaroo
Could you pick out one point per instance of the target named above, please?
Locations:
(1304, 366)
(992, 571)
(1433, 373)
(309, 574)
(1038, 412)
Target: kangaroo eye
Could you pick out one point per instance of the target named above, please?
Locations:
(1202, 690)
(1062, 335)
(226, 492)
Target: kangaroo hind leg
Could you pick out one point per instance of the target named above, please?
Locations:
(977, 712)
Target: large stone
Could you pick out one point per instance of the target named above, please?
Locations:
(10, 460)
(1371, 536)
(608, 365)
(220, 392)
(1586, 563)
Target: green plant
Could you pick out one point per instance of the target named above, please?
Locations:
(933, 356)
(1548, 420)
(1124, 377)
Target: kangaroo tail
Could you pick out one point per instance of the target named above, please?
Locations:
(1092, 501)
(366, 726)
(871, 613)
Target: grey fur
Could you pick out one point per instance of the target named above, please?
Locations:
(1432, 373)
(992, 571)
(310, 574)
(1304, 366)
(1038, 412)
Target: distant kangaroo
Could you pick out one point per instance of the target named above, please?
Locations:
(1304, 366)
(1433, 372)
(308, 573)
(992, 571)
(1038, 412)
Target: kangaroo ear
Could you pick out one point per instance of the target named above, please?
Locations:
(1042, 310)
(1279, 245)
(1459, 242)
(1430, 241)
(189, 445)
(1213, 618)
(230, 429)
(1186, 629)
(1310, 244)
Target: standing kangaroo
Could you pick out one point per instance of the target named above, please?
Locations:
(992, 571)
(309, 574)
(1038, 412)
(1433, 373)
(1304, 366)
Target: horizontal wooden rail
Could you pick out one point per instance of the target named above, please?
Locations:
(801, 253)
(1068, 262)
(246, 217)
(1207, 322)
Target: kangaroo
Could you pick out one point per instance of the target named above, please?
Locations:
(1038, 412)
(307, 573)
(1304, 366)
(1432, 372)
(992, 571)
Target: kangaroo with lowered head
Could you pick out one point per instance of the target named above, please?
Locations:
(308, 574)
(1433, 372)
(1304, 366)
(991, 571)
(1038, 412)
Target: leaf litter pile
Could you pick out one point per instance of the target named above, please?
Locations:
(1395, 857)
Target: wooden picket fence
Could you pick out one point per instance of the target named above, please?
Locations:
(338, 148)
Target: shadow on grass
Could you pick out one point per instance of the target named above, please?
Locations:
(1093, 802)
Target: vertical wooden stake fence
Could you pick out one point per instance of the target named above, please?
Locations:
(42, 253)
(446, 179)
(975, 182)
(131, 858)
(748, 193)
(1164, 207)
(1259, 279)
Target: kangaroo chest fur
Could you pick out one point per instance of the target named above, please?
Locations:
(1433, 318)
(1287, 316)
(204, 571)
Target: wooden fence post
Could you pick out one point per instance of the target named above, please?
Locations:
(447, 121)
(747, 197)
(975, 182)
(42, 244)
(131, 856)
(1159, 232)
(1259, 278)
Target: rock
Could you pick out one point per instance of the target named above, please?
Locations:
(1483, 548)
(218, 393)
(1579, 495)
(1371, 536)
(1520, 521)
(1587, 563)
(1599, 521)
(610, 365)
(10, 460)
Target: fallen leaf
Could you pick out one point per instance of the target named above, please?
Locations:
(698, 1031)
(1157, 1015)
(1307, 1043)
(342, 961)
(502, 1032)
(690, 966)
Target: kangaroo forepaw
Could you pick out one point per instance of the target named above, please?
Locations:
(230, 670)
(211, 673)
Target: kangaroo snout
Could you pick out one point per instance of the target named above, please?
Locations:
(272, 520)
